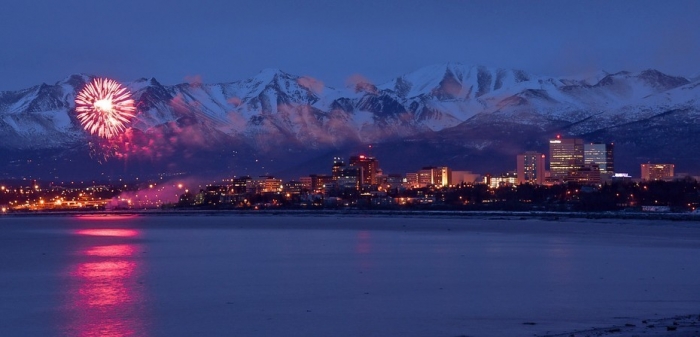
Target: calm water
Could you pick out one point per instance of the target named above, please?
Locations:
(341, 276)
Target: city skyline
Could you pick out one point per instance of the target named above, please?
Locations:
(348, 186)
(455, 115)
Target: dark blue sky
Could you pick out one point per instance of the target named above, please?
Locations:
(46, 40)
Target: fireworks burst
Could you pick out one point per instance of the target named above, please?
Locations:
(104, 107)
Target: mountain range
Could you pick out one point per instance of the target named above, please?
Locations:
(466, 117)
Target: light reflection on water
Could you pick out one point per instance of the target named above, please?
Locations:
(106, 296)
(108, 232)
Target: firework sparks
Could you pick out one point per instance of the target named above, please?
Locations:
(104, 107)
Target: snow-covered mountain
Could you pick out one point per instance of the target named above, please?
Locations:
(276, 111)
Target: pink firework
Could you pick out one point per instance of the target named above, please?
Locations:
(104, 107)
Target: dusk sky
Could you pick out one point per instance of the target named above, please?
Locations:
(223, 41)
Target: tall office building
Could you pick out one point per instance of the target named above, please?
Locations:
(531, 168)
(350, 177)
(565, 155)
(657, 171)
(600, 154)
(338, 167)
(368, 168)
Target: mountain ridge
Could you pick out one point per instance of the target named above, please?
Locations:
(277, 114)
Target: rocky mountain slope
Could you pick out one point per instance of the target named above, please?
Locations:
(470, 117)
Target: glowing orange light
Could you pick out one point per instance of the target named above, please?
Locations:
(104, 107)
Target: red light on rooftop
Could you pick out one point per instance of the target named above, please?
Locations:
(558, 136)
(362, 157)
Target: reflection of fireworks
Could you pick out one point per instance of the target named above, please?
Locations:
(104, 107)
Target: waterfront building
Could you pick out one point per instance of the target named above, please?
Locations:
(505, 179)
(565, 155)
(589, 174)
(657, 171)
(394, 181)
(306, 183)
(240, 185)
(435, 176)
(368, 168)
(264, 184)
(293, 187)
(530, 168)
(444, 175)
(337, 168)
(411, 180)
(350, 177)
(600, 154)
(318, 182)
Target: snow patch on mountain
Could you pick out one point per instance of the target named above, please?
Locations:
(275, 108)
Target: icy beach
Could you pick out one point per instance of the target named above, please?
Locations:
(335, 275)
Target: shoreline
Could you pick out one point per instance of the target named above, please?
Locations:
(522, 215)
(681, 326)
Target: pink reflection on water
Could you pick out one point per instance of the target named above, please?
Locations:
(105, 283)
(108, 232)
(363, 249)
(93, 217)
(559, 259)
(113, 250)
(364, 244)
(106, 296)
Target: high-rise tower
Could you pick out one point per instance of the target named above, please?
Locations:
(601, 154)
(531, 168)
(565, 155)
(368, 168)
(338, 166)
